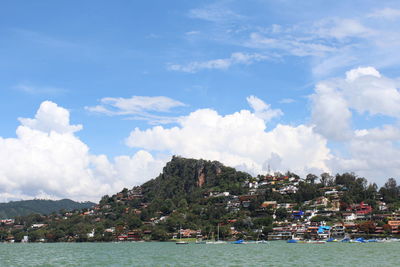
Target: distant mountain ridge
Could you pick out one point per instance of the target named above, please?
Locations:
(41, 206)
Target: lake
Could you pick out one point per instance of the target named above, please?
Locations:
(276, 253)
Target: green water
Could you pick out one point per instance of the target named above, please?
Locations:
(168, 254)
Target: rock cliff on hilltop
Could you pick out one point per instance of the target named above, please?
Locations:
(188, 178)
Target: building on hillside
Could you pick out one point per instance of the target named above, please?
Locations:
(349, 216)
(338, 230)
(219, 194)
(280, 233)
(134, 235)
(297, 214)
(350, 227)
(288, 206)
(290, 189)
(38, 225)
(7, 222)
(360, 209)
(308, 214)
(395, 226)
(381, 205)
(323, 231)
(321, 201)
(269, 204)
(186, 233)
(122, 237)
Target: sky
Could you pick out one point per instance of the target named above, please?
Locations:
(97, 95)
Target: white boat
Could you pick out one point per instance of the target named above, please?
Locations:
(181, 242)
(217, 242)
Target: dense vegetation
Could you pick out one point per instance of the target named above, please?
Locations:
(193, 194)
(39, 206)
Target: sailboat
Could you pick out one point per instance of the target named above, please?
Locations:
(181, 242)
(217, 241)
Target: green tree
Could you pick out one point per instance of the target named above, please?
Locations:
(159, 234)
(390, 191)
(281, 214)
(310, 178)
(134, 222)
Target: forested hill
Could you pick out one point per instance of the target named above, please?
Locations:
(204, 197)
(40, 206)
(189, 179)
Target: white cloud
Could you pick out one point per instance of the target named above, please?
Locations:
(214, 13)
(386, 132)
(354, 74)
(287, 101)
(35, 90)
(289, 44)
(141, 107)
(239, 139)
(367, 91)
(386, 13)
(50, 117)
(332, 44)
(262, 109)
(330, 113)
(373, 153)
(47, 159)
(363, 90)
(340, 28)
(220, 64)
(376, 160)
(192, 33)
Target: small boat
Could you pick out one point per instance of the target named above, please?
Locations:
(332, 240)
(217, 242)
(316, 242)
(181, 242)
(358, 240)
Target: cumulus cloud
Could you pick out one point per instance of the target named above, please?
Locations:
(363, 90)
(50, 117)
(368, 91)
(262, 109)
(372, 152)
(219, 64)
(46, 158)
(239, 140)
(330, 112)
(354, 74)
(141, 107)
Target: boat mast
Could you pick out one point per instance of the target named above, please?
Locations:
(218, 232)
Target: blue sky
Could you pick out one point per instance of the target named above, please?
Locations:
(114, 67)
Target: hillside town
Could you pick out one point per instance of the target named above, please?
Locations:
(268, 207)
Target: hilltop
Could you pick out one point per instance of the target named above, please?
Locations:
(40, 206)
